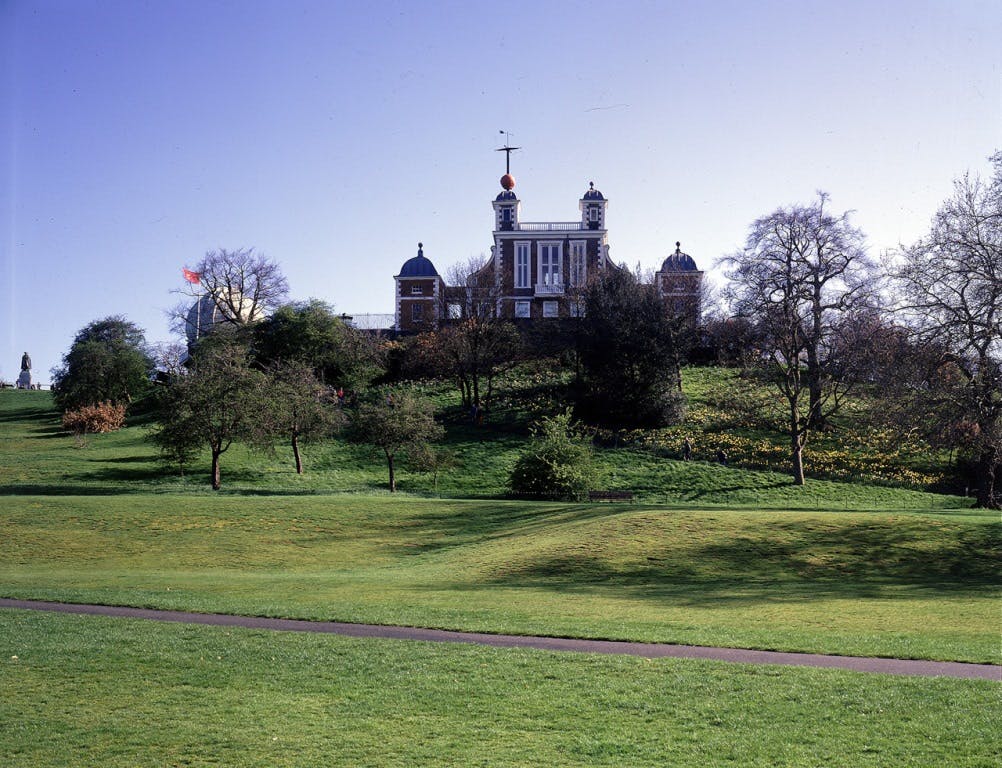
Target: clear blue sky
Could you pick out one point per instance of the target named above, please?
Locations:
(135, 136)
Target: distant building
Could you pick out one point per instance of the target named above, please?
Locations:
(537, 270)
(542, 268)
(680, 283)
(420, 293)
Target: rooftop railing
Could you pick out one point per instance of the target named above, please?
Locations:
(550, 226)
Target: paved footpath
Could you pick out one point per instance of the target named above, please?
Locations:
(646, 650)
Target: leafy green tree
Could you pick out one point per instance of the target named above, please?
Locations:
(557, 463)
(220, 399)
(399, 420)
(310, 332)
(108, 362)
(629, 362)
(300, 408)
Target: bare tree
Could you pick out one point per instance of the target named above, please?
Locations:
(243, 286)
(477, 341)
(950, 285)
(801, 270)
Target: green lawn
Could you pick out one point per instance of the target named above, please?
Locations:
(711, 555)
(905, 584)
(87, 691)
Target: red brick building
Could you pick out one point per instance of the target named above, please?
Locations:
(537, 270)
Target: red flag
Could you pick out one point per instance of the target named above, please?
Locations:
(191, 277)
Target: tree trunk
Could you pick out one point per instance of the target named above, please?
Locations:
(798, 462)
(393, 479)
(295, 452)
(215, 469)
(988, 467)
(815, 419)
(796, 446)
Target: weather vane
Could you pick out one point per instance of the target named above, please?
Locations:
(507, 150)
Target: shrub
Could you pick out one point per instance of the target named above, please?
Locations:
(557, 463)
(90, 419)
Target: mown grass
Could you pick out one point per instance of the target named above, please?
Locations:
(906, 584)
(88, 691)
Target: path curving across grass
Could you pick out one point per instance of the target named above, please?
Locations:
(901, 585)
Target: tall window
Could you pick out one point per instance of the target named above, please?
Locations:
(417, 312)
(522, 265)
(578, 271)
(549, 264)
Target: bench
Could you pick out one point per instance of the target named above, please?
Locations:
(610, 495)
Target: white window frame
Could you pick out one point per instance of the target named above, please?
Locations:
(556, 276)
(455, 310)
(523, 248)
(593, 213)
(417, 290)
(417, 312)
(578, 273)
(523, 309)
(551, 309)
(576, 308)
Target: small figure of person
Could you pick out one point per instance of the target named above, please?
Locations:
(722, 456)
(687, 450)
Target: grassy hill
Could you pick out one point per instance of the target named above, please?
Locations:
(709, 555)
(42, 459)
(712, 555)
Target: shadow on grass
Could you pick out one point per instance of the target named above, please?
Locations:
(69, 489)
(487, 519)
(851, 561)
(29, 414)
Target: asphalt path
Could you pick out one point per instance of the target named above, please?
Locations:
(645, 650)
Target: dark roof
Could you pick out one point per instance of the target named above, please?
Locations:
(506, 195)
(592, 193)
(679, 262)
(418, 266)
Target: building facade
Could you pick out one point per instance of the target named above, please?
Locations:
(537, 270)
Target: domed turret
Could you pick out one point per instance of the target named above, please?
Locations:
(419, 295)
(418, 266)
(592, 205)
(679, 262)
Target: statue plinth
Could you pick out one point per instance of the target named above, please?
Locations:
(24, 380)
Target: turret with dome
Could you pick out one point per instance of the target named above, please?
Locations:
(419, 294)
(680, 282)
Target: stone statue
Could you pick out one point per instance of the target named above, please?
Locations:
(24, 380)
